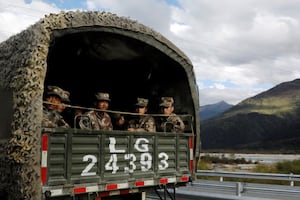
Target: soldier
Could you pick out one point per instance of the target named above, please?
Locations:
(53, 107)
(142, 122)
(171, 122)
(119, 122)
(97, 120)
(78, 112)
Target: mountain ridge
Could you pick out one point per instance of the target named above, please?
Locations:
(271, 117)
(211, 110)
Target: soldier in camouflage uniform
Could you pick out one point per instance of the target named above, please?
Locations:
(142, 122)
(53, 107)
(97, 120)
(171, 122)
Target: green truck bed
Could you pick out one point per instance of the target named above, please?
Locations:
(79, 161)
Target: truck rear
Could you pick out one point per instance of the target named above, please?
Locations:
(85, 53)
(103, 164)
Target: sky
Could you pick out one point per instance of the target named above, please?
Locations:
(239, 48)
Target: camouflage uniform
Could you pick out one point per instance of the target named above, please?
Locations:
(172, 122)
(51, 117)
(144, 122)
(97, 120)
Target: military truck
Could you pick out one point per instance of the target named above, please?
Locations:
(85, 52)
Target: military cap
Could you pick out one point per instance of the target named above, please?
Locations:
(102, 96)
(57, 91)
(66, 96)
(166, 101)
(141, 102)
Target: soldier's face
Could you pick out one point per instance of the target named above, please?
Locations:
(56, 103)
(61, 107)
(167, 110)
(103, 105)
(141, 110)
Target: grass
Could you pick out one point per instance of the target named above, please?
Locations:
(269, 106)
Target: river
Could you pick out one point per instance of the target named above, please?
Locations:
(254, 158)
(261, 158)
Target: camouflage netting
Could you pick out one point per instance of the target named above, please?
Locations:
(23, 65)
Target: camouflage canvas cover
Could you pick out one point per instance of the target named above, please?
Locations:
(31, 60)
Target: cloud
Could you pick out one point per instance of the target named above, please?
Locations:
(241, 47)
(215, 95)
(154, 13)
(252, 44)
(17, 15)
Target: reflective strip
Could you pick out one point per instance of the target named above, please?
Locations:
(149, 182)
(79, 190)
(111, 186)
(139, 183)
(172, 180)
(163, 181)
(122, 185)
(44, 175)
(184, 179)
(144, 183)
(191, 154)
(191, 165)
(167, 180)
(86, 189)
(56, 192)
(45, 142)
(44, 158)
(116, 186)
(92, 188)
(191, 142)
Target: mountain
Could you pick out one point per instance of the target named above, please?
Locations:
(211, 110)
(269, 121)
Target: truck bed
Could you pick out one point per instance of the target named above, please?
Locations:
(79, 161)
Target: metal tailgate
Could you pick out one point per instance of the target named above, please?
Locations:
(78, 161)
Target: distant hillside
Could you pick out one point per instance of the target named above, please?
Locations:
(269, 121)
(212, 110)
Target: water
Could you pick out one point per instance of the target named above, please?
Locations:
(260, 158)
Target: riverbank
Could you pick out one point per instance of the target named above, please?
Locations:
(250, 161)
